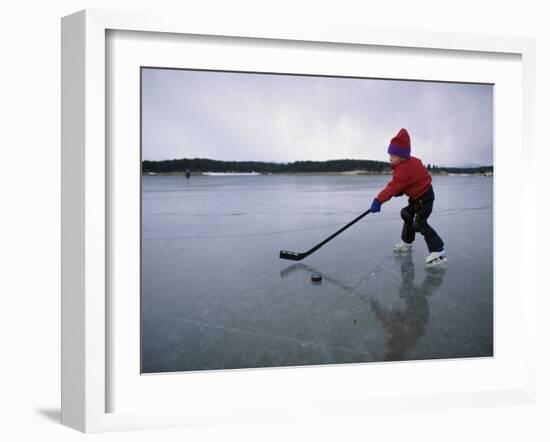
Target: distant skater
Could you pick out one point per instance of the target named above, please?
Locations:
(410, 177)
(187, 173)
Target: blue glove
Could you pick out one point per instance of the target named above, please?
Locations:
(375, 206)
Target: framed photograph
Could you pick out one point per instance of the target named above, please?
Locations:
(264, 222)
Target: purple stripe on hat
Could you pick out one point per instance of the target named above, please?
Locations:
(403, 152)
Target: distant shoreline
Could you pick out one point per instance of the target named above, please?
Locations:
(347, 173)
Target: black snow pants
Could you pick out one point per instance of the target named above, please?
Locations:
(415, 217)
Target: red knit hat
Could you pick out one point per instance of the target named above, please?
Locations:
(400, 145)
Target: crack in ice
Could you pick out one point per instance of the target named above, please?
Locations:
(307, 229)
(269, 335)
(312, 327)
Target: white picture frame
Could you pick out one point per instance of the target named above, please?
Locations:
(86, 205)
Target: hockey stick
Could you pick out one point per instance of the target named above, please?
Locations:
(295, 256)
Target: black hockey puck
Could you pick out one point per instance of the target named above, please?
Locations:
(316, 277)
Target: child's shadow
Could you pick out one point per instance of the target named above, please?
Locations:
(405, 325)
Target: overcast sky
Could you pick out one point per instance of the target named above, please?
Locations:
(283, 118)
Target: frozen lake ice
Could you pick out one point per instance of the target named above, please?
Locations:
(216, 295)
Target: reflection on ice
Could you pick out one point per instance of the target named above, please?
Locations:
(407, 323)
(404, 324)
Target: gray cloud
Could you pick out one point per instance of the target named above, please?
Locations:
(261, 117)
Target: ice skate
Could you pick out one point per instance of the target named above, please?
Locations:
(402, 247)
(436, 258)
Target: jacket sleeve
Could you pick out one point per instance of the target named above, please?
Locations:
(395, 187)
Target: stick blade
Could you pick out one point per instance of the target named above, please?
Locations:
(292, 256)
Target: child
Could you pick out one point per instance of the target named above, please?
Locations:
(411, 178)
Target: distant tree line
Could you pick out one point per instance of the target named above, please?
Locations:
(482, 170)
(198, 165)
(206, 165)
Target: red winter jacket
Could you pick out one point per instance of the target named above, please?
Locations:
(410, 177)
